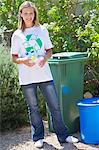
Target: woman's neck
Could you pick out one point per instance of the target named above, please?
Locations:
(29, 25)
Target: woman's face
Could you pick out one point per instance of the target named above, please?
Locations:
(28, 16)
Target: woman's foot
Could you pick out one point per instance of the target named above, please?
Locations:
(39, 143)
(71, 139)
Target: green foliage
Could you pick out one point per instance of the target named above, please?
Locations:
(91, 82)
(62, 26)
(8, 13)
(89, 5)
(89, 34)
(75, 33)
(13, 111)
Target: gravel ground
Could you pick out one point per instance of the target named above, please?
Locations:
(20, 139)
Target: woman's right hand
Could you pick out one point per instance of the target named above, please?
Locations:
(28, 62)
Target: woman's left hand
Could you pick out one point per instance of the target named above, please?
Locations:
(42, 61)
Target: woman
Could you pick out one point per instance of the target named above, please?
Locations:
(30, 49)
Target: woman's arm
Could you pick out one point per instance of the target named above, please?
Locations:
(24, 60)
(48, 54)
(44, 58)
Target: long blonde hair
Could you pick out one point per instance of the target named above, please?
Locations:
(26, 4)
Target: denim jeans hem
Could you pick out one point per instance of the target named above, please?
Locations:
(35, 140)
(62, 140)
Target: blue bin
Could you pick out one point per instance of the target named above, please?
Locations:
(89, 120)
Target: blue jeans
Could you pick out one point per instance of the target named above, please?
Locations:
(49, 92)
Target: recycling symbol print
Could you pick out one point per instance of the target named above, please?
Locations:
(33, 46)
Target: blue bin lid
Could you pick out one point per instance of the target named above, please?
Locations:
(89, 101)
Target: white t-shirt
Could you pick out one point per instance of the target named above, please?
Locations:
(32, 43)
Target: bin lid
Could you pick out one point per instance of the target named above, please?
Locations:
(89, 101)
(69, 55)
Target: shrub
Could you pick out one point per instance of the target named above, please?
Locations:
(13, 109)
(89, 35)
(91, 78)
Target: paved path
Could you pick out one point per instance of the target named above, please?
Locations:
(20, 139)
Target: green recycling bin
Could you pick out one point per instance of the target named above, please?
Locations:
(68, 73)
